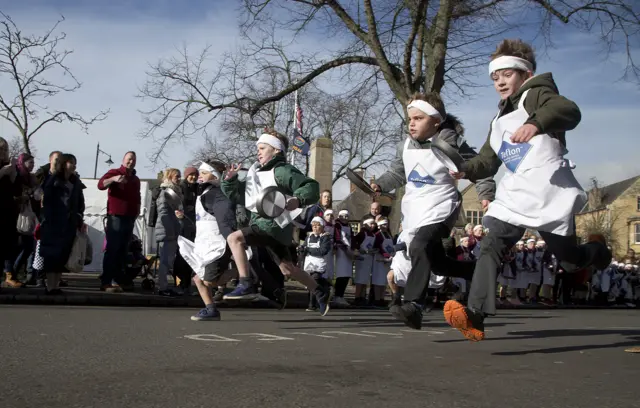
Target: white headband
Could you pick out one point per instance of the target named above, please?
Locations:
(540, 242)
(328, 212)
(508, 62)
(206, 167)
(271, 141)
(369, 221)
(425, 107)
(344, 212)
(383, 222)
(318, 219)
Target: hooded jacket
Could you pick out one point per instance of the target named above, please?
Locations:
(550, 112)
(451, 131)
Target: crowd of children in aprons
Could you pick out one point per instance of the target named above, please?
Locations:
(529, 273)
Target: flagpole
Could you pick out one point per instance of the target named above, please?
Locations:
(295, 124)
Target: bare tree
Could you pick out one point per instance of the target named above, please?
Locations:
(599, 218)
(16, 147)
(28, 62)
(401, 46)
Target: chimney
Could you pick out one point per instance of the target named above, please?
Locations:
(360, 172)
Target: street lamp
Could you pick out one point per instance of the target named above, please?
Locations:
(108, 161)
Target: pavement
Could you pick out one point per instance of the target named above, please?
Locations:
(63, 357)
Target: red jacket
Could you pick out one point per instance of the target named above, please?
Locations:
(124, 198)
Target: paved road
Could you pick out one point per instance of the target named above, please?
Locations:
(57, 356)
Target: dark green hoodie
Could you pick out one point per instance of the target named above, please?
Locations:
(290, 181)
(550, 112)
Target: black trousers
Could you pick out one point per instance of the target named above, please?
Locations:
(501, 238)
(429, 255)
(267, 270)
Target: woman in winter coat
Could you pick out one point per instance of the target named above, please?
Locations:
(190, 187)
(62, 217)
(168, 226)
(29, 205)
(9, 190)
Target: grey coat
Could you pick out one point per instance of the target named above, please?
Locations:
(451, 132)
(168, 226)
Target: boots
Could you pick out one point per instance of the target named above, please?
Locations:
(10, 282)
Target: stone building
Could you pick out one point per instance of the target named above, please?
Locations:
(613, 211)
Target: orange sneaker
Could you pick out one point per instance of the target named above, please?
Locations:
(470, 324)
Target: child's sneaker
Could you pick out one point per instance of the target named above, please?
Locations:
(206, 314)
(323, 296)
(241, 292)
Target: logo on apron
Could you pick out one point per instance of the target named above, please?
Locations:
(513, 154)
(418, 179)
(197, 217)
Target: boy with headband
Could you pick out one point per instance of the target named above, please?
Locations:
(208, 255)
(538, 191)
(431, 203)
(276, 234)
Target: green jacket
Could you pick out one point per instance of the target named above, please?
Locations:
(550, 112)
(290, 181)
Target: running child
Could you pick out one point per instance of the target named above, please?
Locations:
(316, 248)
(539, 190)
(276, 235)
(431, 203)
(209, 255)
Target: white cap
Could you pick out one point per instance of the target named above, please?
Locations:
(369, 221)
(343, 212)
(383, 222)
(530, 240)
(328, 212)
(319, 220)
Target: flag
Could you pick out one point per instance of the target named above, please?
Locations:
(300, 144)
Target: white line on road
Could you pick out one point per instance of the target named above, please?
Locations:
(348, 333)
(316, 335)
(383, 333)
(423, 331)
(208, 337)
(264, 336)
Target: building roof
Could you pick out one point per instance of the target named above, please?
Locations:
(608, 194)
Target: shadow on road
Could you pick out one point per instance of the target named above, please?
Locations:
(633, 337)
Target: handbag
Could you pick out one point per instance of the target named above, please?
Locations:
(38, 261)
(78, 254)
(26, 224)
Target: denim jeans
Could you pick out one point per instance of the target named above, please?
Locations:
(119, 231)
(168, 251)
(22, 255)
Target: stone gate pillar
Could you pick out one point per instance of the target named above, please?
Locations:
(321, 162)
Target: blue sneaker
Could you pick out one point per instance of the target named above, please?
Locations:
(323, 296)
(241, 292)
(206, 314)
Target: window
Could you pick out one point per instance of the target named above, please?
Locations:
(638, 204)
(637, 234)
(474, 217)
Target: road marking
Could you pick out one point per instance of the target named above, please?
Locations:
(383, 333)
(208, 337)
(264, 336)
(316, 335)
(423, 331)
(348, 333)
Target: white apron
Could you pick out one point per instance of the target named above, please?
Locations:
(330, 257)
(505, 277)
(314, 263)
(430, 194)
(255, 182)
(401, 267)
(209, 243)
(344, 262)
(538, 190)
(381, 265)
(521, 281)
(534, 261)
(364, 267)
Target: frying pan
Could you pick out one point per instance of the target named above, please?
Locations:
(271, 202)
(447, 155)
(359, 181)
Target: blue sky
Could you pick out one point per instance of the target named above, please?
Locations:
(114, 41)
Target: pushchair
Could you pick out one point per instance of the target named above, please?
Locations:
(136, 263)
